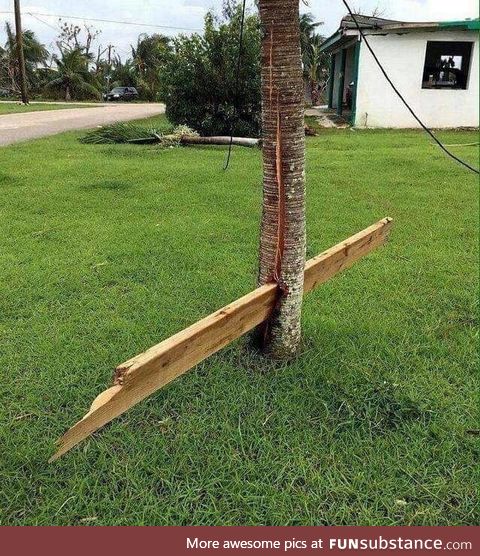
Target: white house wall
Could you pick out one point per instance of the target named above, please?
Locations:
(403, 56)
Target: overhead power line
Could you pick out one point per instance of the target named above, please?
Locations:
(134, 23)
(41, 21)
(400, 96)
(237, 82)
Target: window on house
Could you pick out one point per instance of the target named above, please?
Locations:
(447, 65)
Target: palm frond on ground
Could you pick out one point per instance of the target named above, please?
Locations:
(121, 132)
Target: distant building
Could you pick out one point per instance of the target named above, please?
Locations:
(435, 66)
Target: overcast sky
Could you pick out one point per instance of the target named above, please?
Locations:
(188, 14)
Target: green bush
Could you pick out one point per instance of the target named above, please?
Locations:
(198, 81)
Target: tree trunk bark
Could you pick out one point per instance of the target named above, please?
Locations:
(282, 242)
(314, 92)
(221, 140)
(188, 140)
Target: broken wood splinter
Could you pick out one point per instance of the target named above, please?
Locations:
(146, 373)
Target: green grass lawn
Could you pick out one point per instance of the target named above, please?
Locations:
(16, 108)
(106, 250)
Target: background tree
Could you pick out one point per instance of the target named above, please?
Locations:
(3, 67)
(198, 81)
(74, 37)
(123, 73)
(307, 31)
(376, 11)
(282, 242)
(149, 56)
(72, 78)
(101, 66)
(316, 67)
(77, 73)
(35, 54)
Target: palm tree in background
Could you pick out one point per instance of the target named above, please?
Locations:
(308, 27)
(149, 56)
(123, 73)
(35, 55)
(72, 77)
(315, 67)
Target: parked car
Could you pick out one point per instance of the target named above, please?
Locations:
(4, 93)
(121, 93)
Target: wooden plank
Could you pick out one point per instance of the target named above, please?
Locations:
(343, 255)
(146, 373)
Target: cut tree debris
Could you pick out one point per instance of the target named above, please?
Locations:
(125, 132)
(143, 375)
(197, 140)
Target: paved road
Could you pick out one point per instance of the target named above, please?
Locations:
(31, 125)
(58, 102)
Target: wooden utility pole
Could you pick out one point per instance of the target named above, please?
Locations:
(20, 56)
(109, 70)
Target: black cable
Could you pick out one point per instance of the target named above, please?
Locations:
(425, 128)
(44, 22)
(237, 84)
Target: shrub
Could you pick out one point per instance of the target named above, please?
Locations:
(198, 81)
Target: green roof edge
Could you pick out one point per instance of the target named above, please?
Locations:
(471, 24)
(332, 39)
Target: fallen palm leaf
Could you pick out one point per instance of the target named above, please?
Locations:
(119, 132)
(181, 135)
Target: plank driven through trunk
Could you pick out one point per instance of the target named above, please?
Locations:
(146, 373)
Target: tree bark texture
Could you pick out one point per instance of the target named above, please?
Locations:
(282, 242)
(220, 140)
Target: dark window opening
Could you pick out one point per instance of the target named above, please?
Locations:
(447, 65)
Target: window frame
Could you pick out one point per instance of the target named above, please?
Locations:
(465, 49)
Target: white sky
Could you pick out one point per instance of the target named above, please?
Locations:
(190, 13)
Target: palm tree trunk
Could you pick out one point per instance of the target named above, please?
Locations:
(282, 243)
(314, 92)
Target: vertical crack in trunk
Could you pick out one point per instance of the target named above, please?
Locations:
(271, 68)
(281, 201)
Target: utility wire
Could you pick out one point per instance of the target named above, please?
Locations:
(410, 109)
(237, 83)
(41, 21)
(138, 24)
